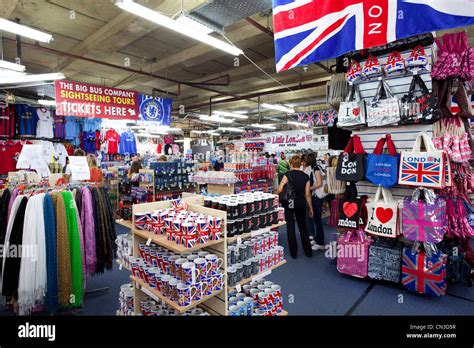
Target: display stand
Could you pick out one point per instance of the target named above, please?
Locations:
(224, 189)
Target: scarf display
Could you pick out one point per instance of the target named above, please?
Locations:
(12, 199)
(4, 202)
(64, 260)
(51, 255)
(88, 229)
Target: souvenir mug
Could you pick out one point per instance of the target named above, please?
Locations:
(215, 262)
(190, 273)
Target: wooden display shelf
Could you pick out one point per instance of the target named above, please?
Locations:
(124, 223)
(158, 295)
(171, 245)
(248, 280)
(249, 234)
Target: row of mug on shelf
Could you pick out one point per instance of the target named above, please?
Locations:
(255, 222)
(259, 298)
(252, 247)
(150, 307)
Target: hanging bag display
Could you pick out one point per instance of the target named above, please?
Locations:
(424, 271)
(353, 242)
(354, 71)
(350, 209)
(382, 169)
(420, 109)
(385, 258)
(351, 163)
(384, 108)
(382, 215)
(372, 67)
(449, 56)
(426, 169)
(424, 217)
(395, 64)
(417, 59)
(352, 110)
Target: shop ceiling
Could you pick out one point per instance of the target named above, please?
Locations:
(97, 42)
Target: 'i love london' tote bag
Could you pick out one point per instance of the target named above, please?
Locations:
(352, 110)
(422, 168)
(382, 215)
(382, 169)
(351, 209)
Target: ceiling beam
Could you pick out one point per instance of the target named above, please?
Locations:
(7, 7)
(123, 30)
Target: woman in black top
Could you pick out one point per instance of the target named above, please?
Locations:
(297, 209)
(316, 181)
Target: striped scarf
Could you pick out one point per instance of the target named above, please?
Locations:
(64, 261)
(51, 255)
(74, 248)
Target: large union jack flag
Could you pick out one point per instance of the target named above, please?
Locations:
(426, 174)
(423, 274)
(308, 31)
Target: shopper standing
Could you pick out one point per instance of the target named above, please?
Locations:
(95, 172)
(283, 167)
(133, 172)
(315, 181)
(296, 210)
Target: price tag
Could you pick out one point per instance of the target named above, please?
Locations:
(148, 242)
(120, 266)
(238, 288)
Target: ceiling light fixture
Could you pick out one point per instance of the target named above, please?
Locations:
(188, 21)
(45, 102)
(25, 31)
(11, 66)
(158, 18)
(231, 129)
(229, 114)
(31, 78)
(263, 126)
(278, 107)
(298, 124)
(215, 119)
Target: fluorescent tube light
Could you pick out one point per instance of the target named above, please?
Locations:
(198, 132)
(278, 107)
(158, 18)
(298, 123)
(11, 66)
(263, 126)
(31, 78)
(229, 114)
(47, 102)
(231, 129)
(192, 24)
(215, 119)
(25, 31)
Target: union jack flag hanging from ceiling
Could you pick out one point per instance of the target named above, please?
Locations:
(307, 31)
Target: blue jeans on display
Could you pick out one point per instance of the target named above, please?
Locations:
(317, 220)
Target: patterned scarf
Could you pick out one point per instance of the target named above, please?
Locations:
(88, 228)
(51, 255)
(74, 249)
(64, 260)
(4, 201)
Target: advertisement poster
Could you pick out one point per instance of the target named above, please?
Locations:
(288, 140)
(156, 110)
(86, 100)
(79, 168)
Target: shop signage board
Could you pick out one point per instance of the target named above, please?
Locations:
(288, 140)
(86, 100)
(311, 31)
(79, 168)
(157, 110)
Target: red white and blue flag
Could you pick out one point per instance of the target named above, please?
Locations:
(320, 118)
(423, 274)
(310, 119)
(301, 117)
(307, 31)
(331, 116)
(428, 174)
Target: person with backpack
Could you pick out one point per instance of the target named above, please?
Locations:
(316, 183)
(283, 167)
(295, 196)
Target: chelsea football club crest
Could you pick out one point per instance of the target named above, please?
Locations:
(155, 109)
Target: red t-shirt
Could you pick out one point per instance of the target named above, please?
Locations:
(113, 139)
(69, 149)
(7, 121)
(9, 152)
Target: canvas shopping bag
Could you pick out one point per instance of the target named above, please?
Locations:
(382, 169)
(384, 108)
(353, 253)
(351, 209)
(421, 109)
(351, 163)
(385, 258)
(424, 218)
(426, 169)
(352, 110)
(424, 271)
(382, 215)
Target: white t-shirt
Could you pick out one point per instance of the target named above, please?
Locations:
(44, 127)
(60, 154)
(47, 151)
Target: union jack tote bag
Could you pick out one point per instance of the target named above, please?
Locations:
(425, 169)
(424, 272)
(424, 219)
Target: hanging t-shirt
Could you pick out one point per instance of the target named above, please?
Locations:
(7, 121)
(73, 130)
(59, 126)
(69, 149)
(47, 151)
(91, 124)
(8, 151)
(168, 139)
(97, 140)
(175, 149)
(159, 148)
(113, 139)
(168, 149)
(27, 119)
(128, 143)
(60, 154)
(44, 126)
(89, 139)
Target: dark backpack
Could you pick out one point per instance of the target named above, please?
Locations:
(287, 195)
